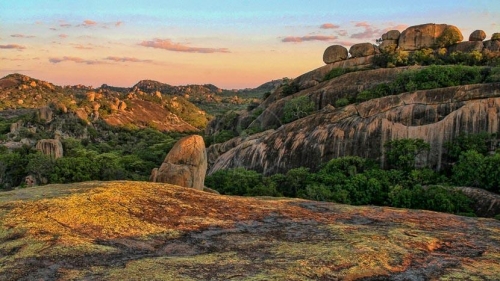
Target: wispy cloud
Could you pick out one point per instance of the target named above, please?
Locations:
(399, 27)
(22, 36)
(329, 26)
(370, 31)
(65, 25)
(167, 44)
(83, 47)
(74, 59)
(292, 39)
(89, 23)
(342, 33)
(12, 46)
(63, 36)
(118, 23)
(126, 59)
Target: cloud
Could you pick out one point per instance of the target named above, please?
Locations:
(167, 44)
(342, 33)
(22, 36)
(63, 36)
(293, 39)
(65, 25)
(82, 47)
(12, 46)
(118, 23)
(53, 28)
(329, 26)
(74, 59)
(126, 59)
(370, 32)
(89, 23)
(399, 27)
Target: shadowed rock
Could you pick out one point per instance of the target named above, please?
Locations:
(362, 50)
(436, 116)
(477, 35)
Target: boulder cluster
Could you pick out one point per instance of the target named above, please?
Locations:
(416, 38)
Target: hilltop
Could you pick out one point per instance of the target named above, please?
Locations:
(136, 230)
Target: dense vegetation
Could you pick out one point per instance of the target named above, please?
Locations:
(107, 153)
(359, 181)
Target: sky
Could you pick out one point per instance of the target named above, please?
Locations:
(231, 44)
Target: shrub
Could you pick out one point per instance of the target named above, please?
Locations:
(402, 153)
(297, 108)
(342, 102)
(289, 88)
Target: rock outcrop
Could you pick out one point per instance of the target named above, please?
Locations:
(185, 164)
(335, 53)
(130, 230)
(45, 113)
(429, 36)
(467, 47)
(51, 147)
(477, 35)
(436, 116)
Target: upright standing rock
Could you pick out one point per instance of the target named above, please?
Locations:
(185, 164)
(51, 147)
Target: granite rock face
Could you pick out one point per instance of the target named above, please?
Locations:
(185, 164)
(436, 116)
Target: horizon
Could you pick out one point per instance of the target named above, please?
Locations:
(233, 45)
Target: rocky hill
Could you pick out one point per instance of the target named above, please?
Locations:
(367, 96)
(150, 231)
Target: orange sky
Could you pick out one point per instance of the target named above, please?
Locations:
(232, 44)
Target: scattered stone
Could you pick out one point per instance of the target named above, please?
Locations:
(335, 53)
(14, 127)
(477, 35)
(362, 50)
(33, 84)
(185, 164)
(45, 114)
(90, 96)
(122, 106)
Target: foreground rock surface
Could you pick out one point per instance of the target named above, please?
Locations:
(153, 231)
(185, 164)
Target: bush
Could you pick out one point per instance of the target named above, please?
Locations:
(402, 153)
(289, 88)
(342, 102)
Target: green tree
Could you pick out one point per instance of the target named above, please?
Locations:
(402, 153)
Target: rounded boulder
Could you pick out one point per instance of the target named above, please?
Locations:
(335, 53)
(362, 50)
(477, 35)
